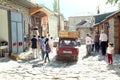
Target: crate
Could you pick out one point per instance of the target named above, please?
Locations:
(68, 34)
(63, 33)
(73, 34)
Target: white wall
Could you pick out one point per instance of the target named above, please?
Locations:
(53, 27)
(62, 22)
(3, 25)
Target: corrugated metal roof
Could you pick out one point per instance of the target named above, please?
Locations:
(101, 17)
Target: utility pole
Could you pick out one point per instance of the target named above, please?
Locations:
(58, 17)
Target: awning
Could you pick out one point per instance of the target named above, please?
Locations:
(39, 9)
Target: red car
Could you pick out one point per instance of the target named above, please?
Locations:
(67, 48)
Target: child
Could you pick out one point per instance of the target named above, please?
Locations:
(110, 52)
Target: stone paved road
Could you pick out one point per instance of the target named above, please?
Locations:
(94, 67)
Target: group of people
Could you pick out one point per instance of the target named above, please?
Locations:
(41, 45)
(97, 42)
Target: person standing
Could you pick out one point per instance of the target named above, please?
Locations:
(34, 43)
(78, 41)
(110, 52)
(51, 41)
(88, 41)
(92, 44)
(47, 50)
(103, 42)
(96, 42)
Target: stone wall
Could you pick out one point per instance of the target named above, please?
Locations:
(111, 30)
(116, 38)
(83, 32)
(8, 5)
(11, 6)
(53, 27)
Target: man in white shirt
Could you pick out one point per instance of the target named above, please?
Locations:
(103, 42)
(88, 41)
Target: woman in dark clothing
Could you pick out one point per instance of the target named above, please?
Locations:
(47, 49)
(34, 46)
(96, 41)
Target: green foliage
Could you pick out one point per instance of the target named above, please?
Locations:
(115, 2)
(119, 6)
(112, 1)
(55, 6)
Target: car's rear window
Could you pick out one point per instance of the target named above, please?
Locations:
(68, 42)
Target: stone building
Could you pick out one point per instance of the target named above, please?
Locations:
(83, 24)
(17, 19)
(111, 25)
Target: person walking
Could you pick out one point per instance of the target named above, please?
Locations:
(96, 42)
(42, 47)
(47, 49)
(88, 41)
(110, 52)
(103, 42)
(34, 43)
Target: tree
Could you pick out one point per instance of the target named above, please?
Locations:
(114, 2)
(55, 6)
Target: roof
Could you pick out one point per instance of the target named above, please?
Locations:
(33, 7)
(26, 3)
(81, 23)
(101, 17)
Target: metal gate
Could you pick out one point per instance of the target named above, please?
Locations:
(16, 32)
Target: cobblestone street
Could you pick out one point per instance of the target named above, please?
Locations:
(94, 67)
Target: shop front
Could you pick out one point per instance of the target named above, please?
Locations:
(4, 39)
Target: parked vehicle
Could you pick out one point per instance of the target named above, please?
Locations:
(67, 46)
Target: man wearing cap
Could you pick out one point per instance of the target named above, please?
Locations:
(103, 41)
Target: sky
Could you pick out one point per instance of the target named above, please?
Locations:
(79, 7)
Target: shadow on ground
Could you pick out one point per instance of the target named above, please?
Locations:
(4, 59)
(116, 65)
